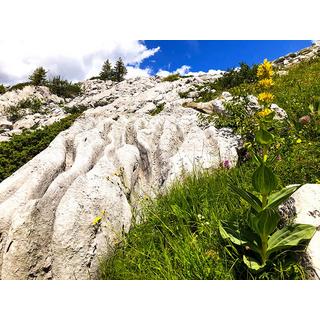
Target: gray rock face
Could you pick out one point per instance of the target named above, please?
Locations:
(68, 207)
(307, 208)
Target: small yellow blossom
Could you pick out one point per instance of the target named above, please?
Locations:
(266, 83)
(96, 220)
(298, 141)
(265, 70)
(265, 97)
(265, 112)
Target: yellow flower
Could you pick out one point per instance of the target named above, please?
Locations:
(298, 141)
(265, 97)
(266, 83)
(265, 70)
(263, 113)
(96, 220)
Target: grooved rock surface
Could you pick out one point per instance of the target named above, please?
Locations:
(101, 167)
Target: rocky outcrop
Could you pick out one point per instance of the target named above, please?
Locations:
(306, 207)
(68, 207)
(294, 58)
(52, 110)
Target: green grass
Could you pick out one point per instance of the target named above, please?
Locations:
(157, 109)
(171, 77)
(180, 238)
(23, 147)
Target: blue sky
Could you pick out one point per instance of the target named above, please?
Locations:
(216, 54)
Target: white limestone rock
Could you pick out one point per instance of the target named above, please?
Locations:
(307, 208)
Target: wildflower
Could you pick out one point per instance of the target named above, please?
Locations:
(305, 120)
(266, 83)
(298, 141)
(96, 220)
(265, 112)
(265, 70)
(265, 97)
(227, 164)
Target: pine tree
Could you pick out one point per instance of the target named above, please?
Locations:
(119, 70)
(106, 71)
(38, 77)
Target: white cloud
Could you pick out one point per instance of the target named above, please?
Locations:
(185, 71)
(74, 60)
(134, 72)
(163, 73)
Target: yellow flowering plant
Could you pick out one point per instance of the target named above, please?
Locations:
(262, 238)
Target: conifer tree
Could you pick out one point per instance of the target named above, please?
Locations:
(38, 77)
(119, 71)
(106, 71)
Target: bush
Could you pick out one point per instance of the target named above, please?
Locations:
(19, 86)
(171, 77)
(157, 109)
(23, 147)
(230, 79)
(16, 112)
(63, 88)
(2, 89)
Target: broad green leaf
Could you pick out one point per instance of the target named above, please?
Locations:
(264, 223)
(246, 238)
(264, 137)
(252, 264)
(290, 236)
(254, 201)
(264, 180)
(232, 237)
(275, 199)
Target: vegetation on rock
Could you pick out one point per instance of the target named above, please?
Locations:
(63, 88)
(171, 77)
(23, 147)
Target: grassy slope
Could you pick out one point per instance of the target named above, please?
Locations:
(179, 238)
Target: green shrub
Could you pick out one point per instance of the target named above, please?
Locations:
(63, 88)
(74, 109)
(230, 79)
(157, 109)
(16, 112)
(2, 89)
(23, 147)
(19, 86)
(171, 77)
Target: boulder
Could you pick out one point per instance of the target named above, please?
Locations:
(5, 124)
(307, 209)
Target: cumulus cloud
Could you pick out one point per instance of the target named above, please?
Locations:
(134, 72)
(185, 71)
(70, 59)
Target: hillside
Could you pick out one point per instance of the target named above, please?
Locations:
(96, 160)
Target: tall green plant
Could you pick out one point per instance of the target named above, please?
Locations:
(262, 238)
